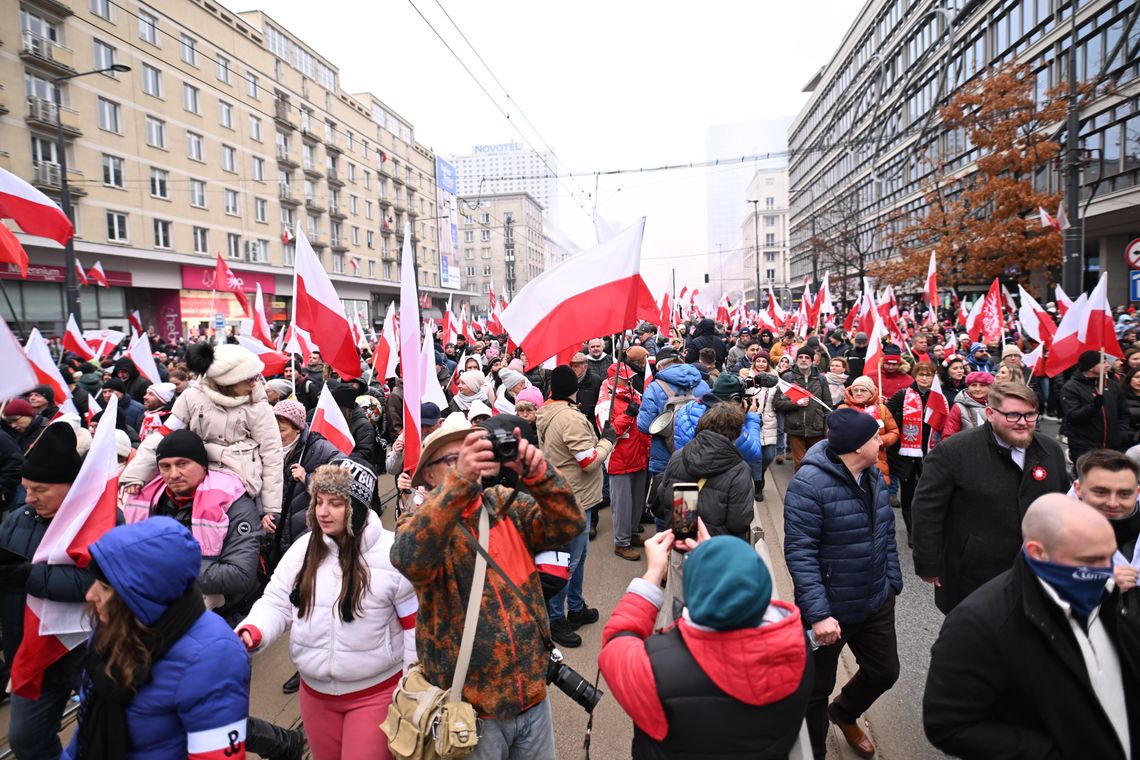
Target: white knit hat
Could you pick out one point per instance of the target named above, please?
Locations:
(164, 391)
(232, 364)
(478, 409)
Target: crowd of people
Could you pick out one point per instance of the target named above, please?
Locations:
(239, 524)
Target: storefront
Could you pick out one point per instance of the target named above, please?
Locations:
(196, 308)
(38, 300)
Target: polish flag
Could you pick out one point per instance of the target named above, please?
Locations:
(1067, 345)
(1098, 332)
(329, 421)
(410, 354)
(1035, 321)
(433, 391)
(775, 312)
(74, 342)
(93, 408)
(135, 321)
(287, 236)
(260, 327)
(823, 297)
(11, 252)
(19, 376)
(793, 393)
(103, 341)
(226, 281)
(963, 313)
(665, 319)
(52, 629)
(871, 364)
(596, 292)
(1064, 303)
(319, 312)
(1047, 219)
(273, 360)
(937, 407)
(357, 332)
(38, 353)
(387, 353)
(142, 355)
(852, 315)
(974, 320)
(932, 283)
(80, 274)
(36, 213)
(991, 322)
(98, 275)
(298, 341)
(1034, 361)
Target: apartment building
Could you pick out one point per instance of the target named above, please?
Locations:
(861, 147)
(764, 231)
(501, 243)
(226, 132)
(498, 168)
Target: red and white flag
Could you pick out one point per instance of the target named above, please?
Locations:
(103, 341)
(874, 360)
(991, 322)
(319, 312)
(19, 376)
(387, 353)
(74, 341)
(273, 359)
(329, 421)
(260, 327)
(1064, 303)
(1034, 361)
(36, 213)
(776, 313)
(433, 391)
(931, 289)
(823, 297)
(226, 281)
(38, 353)
(974, 320)
(1035, 321)
(11, 251)
(298, 341)
(80, 274)
(410, 354)
(1098, 332)
(98, 275)
(134, 319)
(52, 629)
(596, 292)
(1067, 345)
(793, 393)
(1047, 219)
(142, 355)
(937, 407)
(287, 236)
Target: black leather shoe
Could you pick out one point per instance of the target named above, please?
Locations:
(563, 634)
(292, 685)
(584, 616)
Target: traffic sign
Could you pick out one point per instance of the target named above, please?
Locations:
(1134, 285)
(1132, 253)
(219, 321)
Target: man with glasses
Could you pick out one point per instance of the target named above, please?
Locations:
(975, 489)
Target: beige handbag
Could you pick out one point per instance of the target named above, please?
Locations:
(426, 722)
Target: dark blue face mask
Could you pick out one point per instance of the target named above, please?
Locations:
(1082, 587)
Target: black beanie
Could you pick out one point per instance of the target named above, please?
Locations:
(182, 443)
(45, 391)
(848, 429)
(345, 395)
(53, 458)
(563, 383)
(115, 384)
(1087, 360)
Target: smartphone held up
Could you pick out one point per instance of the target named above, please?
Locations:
(685, 510)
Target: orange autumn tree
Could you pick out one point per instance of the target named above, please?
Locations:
(985, 223)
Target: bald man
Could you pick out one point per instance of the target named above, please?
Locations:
(1040, 662)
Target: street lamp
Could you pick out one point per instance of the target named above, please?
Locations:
(70, 285)
(756, 245)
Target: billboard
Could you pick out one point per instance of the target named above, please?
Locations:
(447, 217)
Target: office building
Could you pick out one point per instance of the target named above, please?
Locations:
(498, 168)
(501, 244)
(765, 231)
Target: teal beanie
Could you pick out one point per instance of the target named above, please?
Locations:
(727, 585)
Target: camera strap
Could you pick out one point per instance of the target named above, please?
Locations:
(474, 600)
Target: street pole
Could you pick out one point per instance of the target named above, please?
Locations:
(70, 283)
(1072, 268)
(756, 245)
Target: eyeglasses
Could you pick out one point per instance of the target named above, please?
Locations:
(447, 459)
(1014, 417)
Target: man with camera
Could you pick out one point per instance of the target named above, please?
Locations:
(511, 656)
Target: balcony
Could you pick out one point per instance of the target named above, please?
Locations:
(397, 180)
(385, 229)
(336, 211)
(412, 213)
(388, 254)
(334, 177)
(315, 239)
(339, 245)
(45, 175)
(401, 205)
(331, 146)
(312, 203)
(286, 195)
(311, 170)
(61, 8)
(47, 54)
(282, 114)
(286, 160)
(383, 171)
(308, 133)
(385, 201)
(43, 113)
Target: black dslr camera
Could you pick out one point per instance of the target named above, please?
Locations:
(504, 445)
(571, 682)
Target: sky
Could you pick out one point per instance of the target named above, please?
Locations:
(607, 85)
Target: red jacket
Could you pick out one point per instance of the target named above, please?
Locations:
(758, 666)
(892, 383)
(631, 452)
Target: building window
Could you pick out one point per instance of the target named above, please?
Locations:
(253, 89)
(232, 202)
(151, 80)
(769, 202)
(367, 180)
(770, 257)
(162, 230)
(367, 209)
(223, 69)
(148, 27)
(485, 253)
(370, 238)
(470, 271)
(259, 251)
(487, 271)
(261, 210)
(356, 236)
(351, 172)
(484, 218)
(338, 263)
(112, 171)
(155, 132)
(771, 273)
(101, 8)
(469, 236)
(108, 115)
(190, 100)
(229, 158)
(226, 114)
(104, 57)
(769, 238)
(117, 231)
(197, 193)
(194, 146)
(159, 183)
(468, 253)
(486, 236)
(371, 268)
(290, 251)
(258, 169)
(468, 220)
(201, 240)
(233, 246)
(189, 50)
(769, 220)
(255, 128)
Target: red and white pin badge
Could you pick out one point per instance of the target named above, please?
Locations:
(1038, 473)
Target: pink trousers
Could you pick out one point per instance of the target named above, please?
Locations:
(347, 726)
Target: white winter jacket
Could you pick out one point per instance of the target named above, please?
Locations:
(769, 426)
(334, 657)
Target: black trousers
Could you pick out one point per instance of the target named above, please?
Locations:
(875, 646)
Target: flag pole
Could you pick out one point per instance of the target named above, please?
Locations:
(1102, 370)
(293, 324)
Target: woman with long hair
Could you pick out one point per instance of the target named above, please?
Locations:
(953, 377)
(351, 615)
(162, 676)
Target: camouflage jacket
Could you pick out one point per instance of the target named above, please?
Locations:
(507, 674)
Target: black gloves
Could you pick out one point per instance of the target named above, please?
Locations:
(15, 576)
(609, 434)
(632, 409)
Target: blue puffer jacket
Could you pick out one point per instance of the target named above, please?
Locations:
(685, 427)
(842, 556)
(198, 695)
(682, 379)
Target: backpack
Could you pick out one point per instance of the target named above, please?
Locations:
(662, 425)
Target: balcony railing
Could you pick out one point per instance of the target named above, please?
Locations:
(45, 174)
(48, 51)
(43, 111)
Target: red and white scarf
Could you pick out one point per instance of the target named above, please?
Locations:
(910, 436)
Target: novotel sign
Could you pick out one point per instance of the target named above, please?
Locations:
(500, 148)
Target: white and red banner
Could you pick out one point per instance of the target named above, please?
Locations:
(433, 391)
(260, 327)
(98, 275)
(103, 341)
(1035, 321)
(1067, 345)
(931, 289)
(142, 355)
(227, 282)
(19, 376)
(36, 213)
(410, 354)
(1064, 303)
(937, 406)
(80, 274)
(11, 251)
(74, 341)
(52, 629)
(387, 353)
(329, 421)
(1099, 333)
(134, 320)
(318, 311)
(273, 359)
(38, 353)
(991, 316)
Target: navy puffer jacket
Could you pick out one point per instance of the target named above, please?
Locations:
(841, 554)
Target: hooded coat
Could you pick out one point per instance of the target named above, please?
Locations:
(726, 501)
(569, 443)
(685, 427)
(682, 379)
(704, 336)
(136, 383)
(199, 691)
(966, 412)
